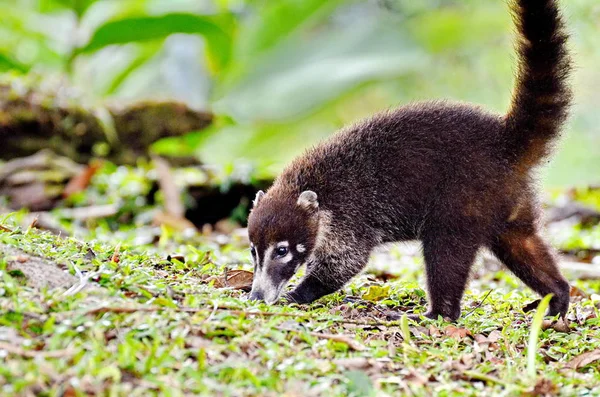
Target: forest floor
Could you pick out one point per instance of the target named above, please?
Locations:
(129, 308)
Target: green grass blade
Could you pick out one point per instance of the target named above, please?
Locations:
(536, 326)
(404, 328)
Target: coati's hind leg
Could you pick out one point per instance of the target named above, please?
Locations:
(449, 255)
(524, 252)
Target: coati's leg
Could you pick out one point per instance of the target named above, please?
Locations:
(524, 252)
(448, 259)
(327, 274)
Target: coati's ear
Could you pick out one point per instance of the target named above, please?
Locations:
(259, 195)
(308, 199)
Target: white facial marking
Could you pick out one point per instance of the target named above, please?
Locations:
(267, 257)
(300, 248)
(262, 281)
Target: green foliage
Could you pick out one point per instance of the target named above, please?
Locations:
(8, 63)
(79, 7)
(288, 73)
(136, 29)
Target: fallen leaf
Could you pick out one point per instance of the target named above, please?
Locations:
(433, 331)
(493, 337)
(560, 325)
(457, 333)
(416, 378)
(236, 279)
(376, 293)
(239, 279)
(584, 359)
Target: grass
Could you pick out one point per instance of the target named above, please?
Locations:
(136, 321)
(182, 335)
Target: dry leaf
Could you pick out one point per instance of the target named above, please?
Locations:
(416, 378)
(584, 359)
(493, 337)
(239, 279)
(433, 331)
(560, 325)
(457, 333)
(236, 279)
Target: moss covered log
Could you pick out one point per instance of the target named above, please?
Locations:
(32, 119)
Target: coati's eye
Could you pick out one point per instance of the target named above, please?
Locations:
(253, 251)
(281, 251)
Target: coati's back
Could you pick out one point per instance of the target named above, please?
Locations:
(452, 175)
(392, 170)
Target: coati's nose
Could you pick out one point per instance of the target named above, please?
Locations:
(256, 295)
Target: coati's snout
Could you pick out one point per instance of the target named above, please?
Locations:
(282, 236)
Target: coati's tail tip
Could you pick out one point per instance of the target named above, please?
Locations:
(542, 94)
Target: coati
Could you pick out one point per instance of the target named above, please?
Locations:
(452, 175)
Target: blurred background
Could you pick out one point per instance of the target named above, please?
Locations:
(278, 76)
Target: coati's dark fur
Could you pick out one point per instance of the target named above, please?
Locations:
(454, 176)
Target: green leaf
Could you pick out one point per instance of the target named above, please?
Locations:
(146, 53)
(77, 6)
(278, 19)
(297, 79)
(376, 293)
(404, 328)
(139, 29)
(8, 63)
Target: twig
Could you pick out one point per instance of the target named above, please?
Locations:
(234, 311)
(480, 303)
(346, 339)
(83, 281)
(5, 229)
(483, 377)
(35, 353)
(211, 315)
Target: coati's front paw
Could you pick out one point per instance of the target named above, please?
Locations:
(297, 297)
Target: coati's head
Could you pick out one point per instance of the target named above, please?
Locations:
(283, 231)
